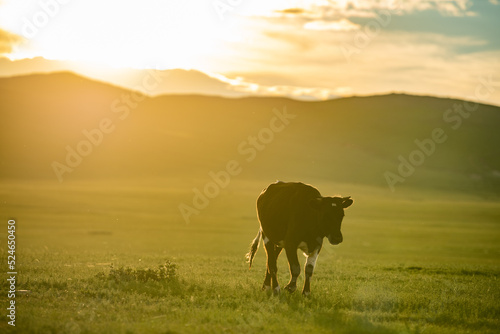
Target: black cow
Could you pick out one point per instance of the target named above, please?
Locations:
(294, 215)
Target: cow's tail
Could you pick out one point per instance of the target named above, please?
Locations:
(253, 248)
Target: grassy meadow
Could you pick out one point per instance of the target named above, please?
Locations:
(415, 262)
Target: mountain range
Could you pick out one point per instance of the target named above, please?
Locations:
(170, 81)
(61, 126)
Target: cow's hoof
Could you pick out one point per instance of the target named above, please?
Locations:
(266, 287)
(306, 293)
(290, 288)
(276, 290)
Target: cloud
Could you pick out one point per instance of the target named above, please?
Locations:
(244, 87)
(456, 9)
(292, 11)
(420, 64)
(8, 42)
(340, 25)
(429, 62)
(294, 92)
(335, 9)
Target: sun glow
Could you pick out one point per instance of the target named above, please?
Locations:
(147, 34)
(186, 34)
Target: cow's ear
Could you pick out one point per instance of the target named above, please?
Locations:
(347, 203)
(315, 203)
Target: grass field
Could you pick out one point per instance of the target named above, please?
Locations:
(411, 262)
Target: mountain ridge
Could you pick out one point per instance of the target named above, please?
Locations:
(75, 75)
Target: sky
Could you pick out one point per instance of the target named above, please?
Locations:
(316, 49)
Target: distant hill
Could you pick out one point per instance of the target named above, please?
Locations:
(48, 130)
(172, 81)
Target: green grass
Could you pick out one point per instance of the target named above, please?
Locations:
(410, 263)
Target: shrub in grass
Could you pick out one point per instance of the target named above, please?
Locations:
(164, 273)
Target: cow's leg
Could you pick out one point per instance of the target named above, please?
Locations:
(268, 246)
(271, 280)
(274, 277)
(309, 269)
(293, 262)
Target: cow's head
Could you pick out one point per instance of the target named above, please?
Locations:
(331, 213)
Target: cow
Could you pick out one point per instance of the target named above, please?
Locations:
(293, 216)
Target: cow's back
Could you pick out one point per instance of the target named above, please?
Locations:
(284, 205)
